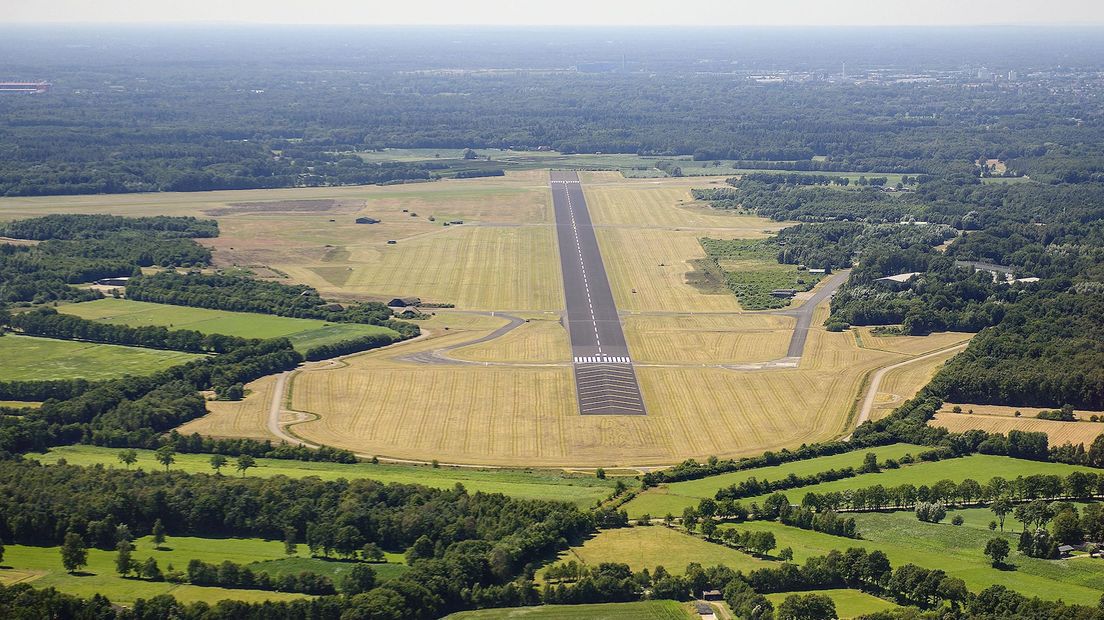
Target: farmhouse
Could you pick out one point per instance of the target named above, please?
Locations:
(711, 595)
(1065, 551)
(784, 293)
(404, 302)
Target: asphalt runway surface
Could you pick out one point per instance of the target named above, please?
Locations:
(605, 381)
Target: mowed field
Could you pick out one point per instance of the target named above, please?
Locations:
(639, 610)
(673, 498)
(655, 545)
(849, 603)
(583, 490)
(26, 358)
(958, 550)
(511, 400)
(1001, 419)
(303, 333)
(41, 567)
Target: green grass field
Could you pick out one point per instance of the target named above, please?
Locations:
(675, 497)
(655, 545)
(333, 568)
(41, 567)
(582, 490)
(303, 333)
(980, 467)
(958, 550)
(849, 603)
(643, 610)
(29, 359)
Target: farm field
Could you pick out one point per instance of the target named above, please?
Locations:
(956, 550)
(41, 567)
(640, 610)
(980, 467)
(849, 603)
(909, 345)
(303, 333)
(676, 496)
(901, 384)
(655, 545)
(582, 490)
(1058, 432)
(28, 358)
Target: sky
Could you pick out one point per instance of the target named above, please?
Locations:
(568, 12)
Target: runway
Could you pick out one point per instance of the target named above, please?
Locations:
(605, 381)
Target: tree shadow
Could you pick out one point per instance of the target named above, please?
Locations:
(1005, 566)
(82, 573)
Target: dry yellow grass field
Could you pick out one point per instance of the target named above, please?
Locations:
(244, 418)
(648, 204)
(901, 384)
(541, 340)
(910, 345)
(654, 263)
(707, 339)
(1058, 432)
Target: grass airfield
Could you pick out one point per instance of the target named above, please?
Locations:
(509, 400)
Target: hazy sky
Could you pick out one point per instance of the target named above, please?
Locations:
(557, 12)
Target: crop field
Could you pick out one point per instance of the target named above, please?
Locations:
(673, 498)
(655, 545)
(41, 566)
(526, 484)
(958, 550)
(640, 610)
(28, 358)
(849, 603)
(303, 333)
(1058, 432)
(708, 339)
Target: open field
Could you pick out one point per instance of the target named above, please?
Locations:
(641, 610)
(956, 550)
(909, 345)
(28, 358)
(335, 569)
(708, 339)
(541, 340)
(980, 467)
(582, 490)
(1057, 432)
(303, 333)
(674, 497)
(41, 567)
(19, 403)
(655, 545)
(242, 418)
(849, 603)
(504, 258)
(901, 384)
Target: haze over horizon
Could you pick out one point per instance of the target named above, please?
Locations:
(570, 12)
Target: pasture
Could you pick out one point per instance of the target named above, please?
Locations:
(655, 545)
(676, 496)
(28, 358)
(640, 610)
(958, 550)
(303, 333)
(849, 603)
(980, 467)
(525, 484)
(41, 567)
